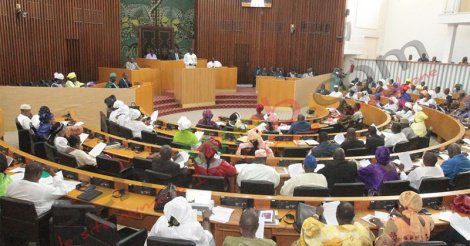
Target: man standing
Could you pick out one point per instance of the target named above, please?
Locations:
(190, 59)
(125, 82)
(29, 188)
(24, 118)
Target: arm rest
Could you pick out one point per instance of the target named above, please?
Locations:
(138, 238)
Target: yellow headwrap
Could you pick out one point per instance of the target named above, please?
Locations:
(71, 75)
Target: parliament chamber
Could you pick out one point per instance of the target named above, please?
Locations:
(264, 130)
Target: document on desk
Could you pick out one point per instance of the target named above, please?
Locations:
(461, 225)
(405, 159)
(283, 127)
(364, 163)
(199, 135)
(329, 212)
(339, 138)
(221, 214)
(83, 137)
(182, 158)
(311, 142)
(96, 151)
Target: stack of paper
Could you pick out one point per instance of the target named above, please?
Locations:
(461, 225)
(339, 138)
(283, 127)
(221, 214)
(382, 215)
(83, 137)
(182, 158)
(405, 159)
(300, 142)
(311, 142)
(329, 212)
(199, 135)
(96, 151)
(281, 170)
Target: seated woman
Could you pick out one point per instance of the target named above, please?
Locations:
(234, 123)
(419, 126)
(46, 119)
(207, 121)
(406, 224)
(179, 221)
(5, 180)
(185, 135)
(208, 163)
(376, 101)
(346, 120)
(259, 113)
(357, 116)
(375, 174)
(60, 133)
(255, 142)
(136, 124)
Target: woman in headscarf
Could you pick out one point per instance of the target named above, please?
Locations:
(136, 124)
(419, 126)
(255, 142)
(60, 133)
(123, 115)
(375, 174)
(209, 163)
(179, 221)
(207, 121)
(346, 120)
(259, 113)
(116, 110)
(407, 224)
(46, 120)
(235, 123)
(185, 135)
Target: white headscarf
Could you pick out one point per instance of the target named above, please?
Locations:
(417, 108)
(184, 123)
(188, 228)
(118, 104)
(58, 76)
(134, 114)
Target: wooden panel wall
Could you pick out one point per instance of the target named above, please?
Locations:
(250, 37)
(58, 35)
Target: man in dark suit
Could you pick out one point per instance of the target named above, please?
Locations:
(374, 140)
(174, 54)
(164, 164)
(300, 126)
(351, 141)
(340, 170)
(125, 82)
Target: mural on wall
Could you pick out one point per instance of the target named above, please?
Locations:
(178, 14)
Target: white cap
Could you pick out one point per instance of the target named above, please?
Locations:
(25, 107)
(118, 104)
(184, 123)
(134, 114)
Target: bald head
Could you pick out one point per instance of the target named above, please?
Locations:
(249, 223)
(338, 154)
(429, 159)
(345, 213)
(165, 152)
(453, 150)
(351, 134)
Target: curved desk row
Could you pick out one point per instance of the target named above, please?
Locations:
(136, 210)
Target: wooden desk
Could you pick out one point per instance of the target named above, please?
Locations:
(195, 87)
(2, 127)
(226, 79)
(135, 76)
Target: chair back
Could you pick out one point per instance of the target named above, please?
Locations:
(68, 222)
(113, 128)
(108, 166)
(295, 152)
(462, 181)
(149, 137)
(164, 241)
(51, 152)
(348, 189)
(212, 183)
(423, 142)
(70, 161)
(20, 220)
(24, 141)
(431, 185)
(311, 191)
(157, 177)
(257, 187)
(104, 122)
(358, 152)
(141, 163)
(37, 146)
(394, 188)
(163, 140)
(100, 231)
(402, 147)
(125, 132)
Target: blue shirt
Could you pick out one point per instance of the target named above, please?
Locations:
(405, 96)
(302, 126)
(454, 166)
(325, 149)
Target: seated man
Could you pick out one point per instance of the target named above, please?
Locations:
(300, 126)
(131, 64)
(151, 55)
(75, 149)
(351, 141)
(137, 125)
(29, 188)
(112, 81)
(340, 170)
(374, 140)
(124, 82)
(190, 59)
(72, 81)
(213, 63)
(336, 92)
(428, 171)
(259, 171)
(164, 164)
(458, 163)
(248, 226)
(308, 178)
(348, 232)
(323, 90)
(406, 129)
(396, 137)
(24, 118)
(325, 148)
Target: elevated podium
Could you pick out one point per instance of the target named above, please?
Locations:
(195, 87)
(143, 75)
